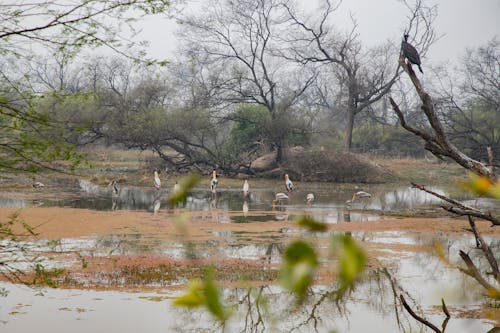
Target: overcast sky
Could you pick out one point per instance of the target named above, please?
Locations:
(461, 23)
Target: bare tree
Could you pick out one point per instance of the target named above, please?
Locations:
(468, 100)
(435, 137)
(437, 141)
(30, 28)
(71, 26)
(239, 38)
(363, 76)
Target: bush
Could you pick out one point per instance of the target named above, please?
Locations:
(332, 166)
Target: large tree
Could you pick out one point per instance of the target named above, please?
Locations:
(239, 40)
(30, 140)
(470, 101)
(359, 77)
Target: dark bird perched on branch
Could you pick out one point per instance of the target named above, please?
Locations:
(410, 53)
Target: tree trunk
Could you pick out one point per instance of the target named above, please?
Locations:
(280, 152)
(349, 128)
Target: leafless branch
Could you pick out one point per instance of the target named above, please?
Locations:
(417, 317)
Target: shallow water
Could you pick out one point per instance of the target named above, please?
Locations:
(417, 274)
(330, 199)
(420, 276)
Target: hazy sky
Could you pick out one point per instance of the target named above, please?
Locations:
(461, 23)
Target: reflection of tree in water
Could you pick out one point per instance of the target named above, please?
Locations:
(274, 252)
(269, 308)
(125, 244)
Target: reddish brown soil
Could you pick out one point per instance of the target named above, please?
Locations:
(138, 269)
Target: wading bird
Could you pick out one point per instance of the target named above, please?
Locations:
(288, 184)
(157, 182)
(357, 196)
(360, 195)
(38, 185)
(309, 198)
(214, 181)
(410, 53)
(114, 188)
(279, 197)
(177, 187)
(246, 188)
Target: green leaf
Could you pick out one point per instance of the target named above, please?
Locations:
(194, 296)
(214, 304)
(299, 265)
(311, 224)
(185, 186)
(352, 260)
(204, 293)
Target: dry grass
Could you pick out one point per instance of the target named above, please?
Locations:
(330, 166)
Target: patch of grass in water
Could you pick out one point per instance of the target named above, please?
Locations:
(156, 298)
(253, 218)
(417, 213)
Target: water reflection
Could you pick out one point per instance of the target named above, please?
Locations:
(421, 277)
(328, 205)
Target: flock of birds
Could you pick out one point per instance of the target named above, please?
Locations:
(408, 51)
(279, 197)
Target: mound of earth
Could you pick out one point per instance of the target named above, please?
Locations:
(322, 166)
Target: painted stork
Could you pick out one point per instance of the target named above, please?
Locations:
(279, 198)
(214, 181)
(177, 187)
(309, 198)
(246, 188)
(38, 185)
(114, 188)
(288, 184)
(157, 182)
(360, 195)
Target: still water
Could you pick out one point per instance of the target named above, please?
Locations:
(421, 277)
(329, 199)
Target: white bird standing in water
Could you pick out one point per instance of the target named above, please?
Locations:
(38, 185)
(214, 181)
(288, 184)
(360, 195)
(114, 188)
(279, 197)
(309, 198)
(157, 183)
(357, 196)
(177, 187)
(246, 188)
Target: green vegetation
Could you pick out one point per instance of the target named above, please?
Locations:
(297, 272)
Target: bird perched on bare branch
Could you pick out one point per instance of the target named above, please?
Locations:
(410, 53)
